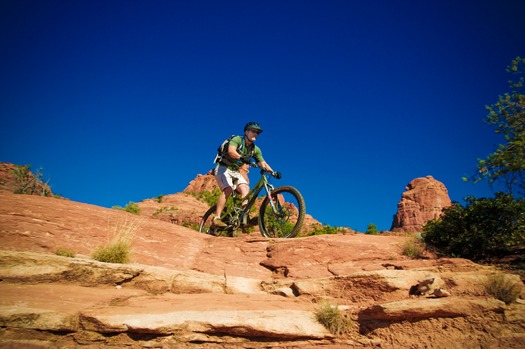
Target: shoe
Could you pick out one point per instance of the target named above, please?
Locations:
(218, 223)
(212, 232)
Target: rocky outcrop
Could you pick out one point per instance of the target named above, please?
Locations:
(191, 290)
(424, 200)
(202, 183)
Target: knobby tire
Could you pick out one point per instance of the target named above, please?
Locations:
(286, 223)
(291, 210)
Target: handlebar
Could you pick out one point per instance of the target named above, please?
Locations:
(275, 174)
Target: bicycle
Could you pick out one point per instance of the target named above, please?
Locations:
(281, 213)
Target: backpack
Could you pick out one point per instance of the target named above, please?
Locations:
(222, 150)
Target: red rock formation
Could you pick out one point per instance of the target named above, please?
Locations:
(202, 183)
(186, 289)
(423, 200)
(207, 182)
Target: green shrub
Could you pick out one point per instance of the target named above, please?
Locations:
(29, 183)
(372, 229)
(331, 317)
(485, 228)
(209, 197)
(159, 198)
(503, 287)
(325, 229)
(131, 207)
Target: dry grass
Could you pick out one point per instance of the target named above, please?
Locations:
(502, 287)
(413, 247)
(118, 250)
(331, 317)
(65, 253)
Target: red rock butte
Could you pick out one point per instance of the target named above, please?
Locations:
(424, 200)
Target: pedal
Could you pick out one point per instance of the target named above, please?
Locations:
(212, 232)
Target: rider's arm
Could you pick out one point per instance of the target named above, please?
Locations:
(260, 160)
(264, 164)
(233, 153)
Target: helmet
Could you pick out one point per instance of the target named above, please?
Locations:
(253, 126)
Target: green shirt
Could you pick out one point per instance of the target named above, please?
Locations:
(240, 144)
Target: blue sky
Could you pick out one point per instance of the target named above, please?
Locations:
(120, 101)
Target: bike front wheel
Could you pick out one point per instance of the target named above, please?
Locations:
(283, 216)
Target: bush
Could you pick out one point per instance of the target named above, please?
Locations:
(29, 183)
(115, 252)
(485, 228)
(331, 317)
(372, 229)
(131, 207)
(325, 229)
(210, 197)
(502, 287)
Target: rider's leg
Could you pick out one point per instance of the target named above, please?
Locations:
(243, 190)
(221, 201)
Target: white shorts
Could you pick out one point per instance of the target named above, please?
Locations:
(225, 178)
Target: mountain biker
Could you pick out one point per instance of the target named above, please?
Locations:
(240, 151)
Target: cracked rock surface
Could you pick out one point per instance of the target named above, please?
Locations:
(184, 289)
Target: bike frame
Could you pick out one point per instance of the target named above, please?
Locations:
(274, 213)
(253, 194)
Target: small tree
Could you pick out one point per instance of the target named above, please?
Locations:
(372, 229)
(483, 229)
(506, 166)
(29, 183)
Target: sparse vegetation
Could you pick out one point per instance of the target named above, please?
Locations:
(413, 247)
(331, 317)
(502, 287)
(159, 198)
(119, 248)
(164, 209)
(209, 197)
(64, 253)
(131, 207)
(194, 226)
(29, 183)
(325, 229)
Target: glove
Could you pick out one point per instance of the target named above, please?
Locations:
(246, 159)
(277, 175)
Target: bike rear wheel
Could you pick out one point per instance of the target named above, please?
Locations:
(207, 227)
(287, 219)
